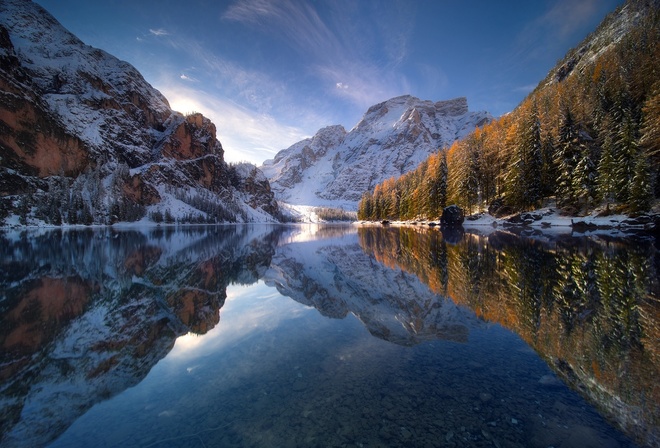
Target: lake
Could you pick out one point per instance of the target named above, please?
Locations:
(328, 336)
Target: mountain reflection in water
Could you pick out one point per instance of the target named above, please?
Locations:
(86, 315)
(588, 306)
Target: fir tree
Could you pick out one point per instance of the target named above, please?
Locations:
(584, 180)
(568, 156)
(626, 156)
(641, 189)
(548, 167)
(650, 134)
(606, 168)
(438, 186)
(524, 181)
(365, 207)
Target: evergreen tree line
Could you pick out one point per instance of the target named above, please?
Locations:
(334, 214)
(588, 135)
(85, 200)
(213, 208)
(92, 198)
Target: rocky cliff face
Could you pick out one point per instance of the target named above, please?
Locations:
(85, 139)
(335, 167)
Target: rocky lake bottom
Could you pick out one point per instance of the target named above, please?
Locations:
(314, 336)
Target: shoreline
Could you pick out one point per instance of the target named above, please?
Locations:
(548, 220)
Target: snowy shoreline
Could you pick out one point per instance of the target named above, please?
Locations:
(548, 220)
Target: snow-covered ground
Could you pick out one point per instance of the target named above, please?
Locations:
(309, 213)
(548, 220)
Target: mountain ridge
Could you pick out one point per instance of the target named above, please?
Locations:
(585, 139)
(84, 139)
(335, 166)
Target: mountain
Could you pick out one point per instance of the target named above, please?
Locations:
(335, 167)
(586, 139)
(84, 139)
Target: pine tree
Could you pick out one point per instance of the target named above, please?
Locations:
(586, 172)
(650, 134)
(626, 156)
(438, 186)
(548, 167)
(641, 190)
(365, 207)
(524, 181)
(567, 158)
(606, 167)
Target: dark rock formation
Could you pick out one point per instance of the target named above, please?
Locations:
(452, 216)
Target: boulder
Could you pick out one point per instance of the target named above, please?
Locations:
(452, 216)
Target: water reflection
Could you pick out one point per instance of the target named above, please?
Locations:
(338, 278)
(86, 315)
(589, 306)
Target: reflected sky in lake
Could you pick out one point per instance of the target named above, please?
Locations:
(277, 373)
(332, 336)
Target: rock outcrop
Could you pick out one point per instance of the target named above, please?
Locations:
(452, 216)
(85, 139)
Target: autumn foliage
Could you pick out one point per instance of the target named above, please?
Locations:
(588, 135)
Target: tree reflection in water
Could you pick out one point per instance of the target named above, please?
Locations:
(588, 306)
(91, 312)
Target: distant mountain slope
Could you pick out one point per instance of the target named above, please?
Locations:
(85, 139)
(335, 167)
(587, 137)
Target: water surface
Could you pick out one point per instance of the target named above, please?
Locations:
(326, 336)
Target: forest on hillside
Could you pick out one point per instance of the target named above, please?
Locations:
(588, 136)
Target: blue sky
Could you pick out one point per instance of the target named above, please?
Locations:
(272, 72)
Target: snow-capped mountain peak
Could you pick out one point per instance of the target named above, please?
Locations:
(335, 167)
(85, 139)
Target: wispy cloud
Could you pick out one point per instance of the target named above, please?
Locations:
(525, 89)
(255, 89)
(566, 16)
(297, 23)
(361, 84)
(159, 32)
(555, 27)
(364, 56)
(245, 135)
(432, 76)
(188, 78)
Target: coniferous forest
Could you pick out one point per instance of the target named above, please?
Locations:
(588, 136)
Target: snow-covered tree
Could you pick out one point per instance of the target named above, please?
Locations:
(524, 188)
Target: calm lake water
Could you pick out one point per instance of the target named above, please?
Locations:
(327, 336)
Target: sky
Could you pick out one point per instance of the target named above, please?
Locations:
(270, 73)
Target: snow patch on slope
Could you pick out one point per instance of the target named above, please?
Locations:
(334, 168)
